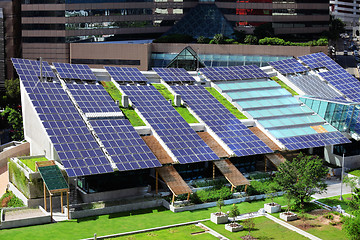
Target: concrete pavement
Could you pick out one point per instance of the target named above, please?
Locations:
(333, 189)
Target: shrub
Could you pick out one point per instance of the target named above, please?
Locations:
(250, 39)
(219, 38)
(272, 41)
(10, 200)
(212, 194)
(329, 216)
(202, 39)
(229, 41)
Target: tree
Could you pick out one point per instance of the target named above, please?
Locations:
(220, 203)
(336, 27)
(352, 223)
(11, 97)
(14, 118)
(251, 39)
(249, 224)
(219, 38)
(351, 182)
(234, 212)
(302, 177)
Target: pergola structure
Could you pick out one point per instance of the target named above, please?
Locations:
(173, 180)
(275, 158)
(54, 182)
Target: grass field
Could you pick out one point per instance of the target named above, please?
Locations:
(334, 201)
(120, 222)
(130, 113)
(30, 162)
(226, 103)
(355, 172)
(176, 233)
(264, 229)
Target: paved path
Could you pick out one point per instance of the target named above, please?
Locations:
(333, 189)
(212, 232)
(291, 227)
(4, 179)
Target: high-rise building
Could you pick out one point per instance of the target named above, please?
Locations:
(49, 28)
(348, 11)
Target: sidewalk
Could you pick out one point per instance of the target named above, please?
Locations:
(4, 179)
(333, 189)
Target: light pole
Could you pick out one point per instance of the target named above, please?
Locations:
(342, 176)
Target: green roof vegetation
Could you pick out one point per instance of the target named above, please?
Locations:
(30, 162)
(10, 200)
(355, 172)
(183, 111)
(283, 85)
(226, 103)
(129, 113)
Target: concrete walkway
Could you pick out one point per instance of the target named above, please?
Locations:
(333, 189)
(291, 227)
(4, 179)
(212, 232)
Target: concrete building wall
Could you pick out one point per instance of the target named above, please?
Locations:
(348, 11)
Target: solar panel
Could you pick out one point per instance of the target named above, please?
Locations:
(76, 147)
(126, 74)
(230, 130)
(315, 140)
(173, 130)
(312, 85)
(233, 73)
(287, 66)
(92, 98)
(27, 68)
(174, 74)
(74, 71)
(125, 146)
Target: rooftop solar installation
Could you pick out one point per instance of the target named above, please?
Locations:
(74, 71)
(76, 147)
(28, 68)
(173, 130)
(53, 178)
(124, 144)
(126, 74)
(233, 73)
(287, 66)
(174, 74)
(231, 131)
(92, 98)
(312, 85)
(294, 127)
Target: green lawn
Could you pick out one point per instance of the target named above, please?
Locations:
(226, 103)
(176, 233)
(264, 229)
(283, 85)
(130, 113)
(183, 111)
(30, 162)
(120, 222)
(355, 172)
(334, 201)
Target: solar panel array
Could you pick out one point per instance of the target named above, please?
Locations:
(29, 68)
(125, 146)
(92, 98)
(314, 86)
(174, 74)
(315, 140)
(176, 133)
(233, 73)
(74, 71)
(235, 134)
(76, 147)
(319, 60)
(287, 66)
(126, 74)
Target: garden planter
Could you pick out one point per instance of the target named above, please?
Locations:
(233, 227)
(288, 216)
(219, 217)
(272, 207)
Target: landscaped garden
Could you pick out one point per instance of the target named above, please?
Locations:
(30, 162)
(10, 200)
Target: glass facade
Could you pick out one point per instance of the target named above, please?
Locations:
(217, 60)
(343, 116)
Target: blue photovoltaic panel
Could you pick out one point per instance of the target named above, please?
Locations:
(92, 98)
(312, 85)
(125, 146)
(315, 140)
(74, 71)
(76, 147)
(320, 60)
(288, 66)
(235, 134)
(176, 133)
(26, 67)
(233, 73)
(174, 74)
(126, 74)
